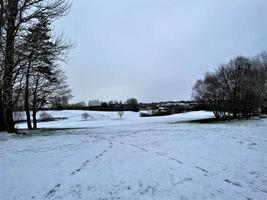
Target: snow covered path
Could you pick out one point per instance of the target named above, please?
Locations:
(137, 158)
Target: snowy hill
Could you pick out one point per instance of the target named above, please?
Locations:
(136, 158)
(97, 118)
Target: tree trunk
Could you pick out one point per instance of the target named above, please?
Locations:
(1, 113)
(2, 128)
(34, 119)
(34, 106)
(26, 99)
(9, 65)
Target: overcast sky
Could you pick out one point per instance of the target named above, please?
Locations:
(155, 50)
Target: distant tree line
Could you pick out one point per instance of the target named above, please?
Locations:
(237, 89)
(30, 76)
(130, 104)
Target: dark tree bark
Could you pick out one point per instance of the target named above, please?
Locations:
(9, 65)
(34, 106)
(1, 66)
(26, 99)
(34, 119)
(1, 112)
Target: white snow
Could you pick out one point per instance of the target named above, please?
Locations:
(136, 158)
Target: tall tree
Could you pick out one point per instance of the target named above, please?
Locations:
(42, 74)
(11, 12)
(17, 16)
(37, 46)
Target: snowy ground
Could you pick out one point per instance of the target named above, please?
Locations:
(136, 158)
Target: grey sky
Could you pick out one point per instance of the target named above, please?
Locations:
(155, 50)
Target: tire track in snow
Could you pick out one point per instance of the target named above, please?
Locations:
(146, 150)
(132, 133)
(85, 163)
(161, 154)
(51, 193)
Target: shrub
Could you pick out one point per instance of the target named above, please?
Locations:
(85, 116)
(44, 116)
(120, 113)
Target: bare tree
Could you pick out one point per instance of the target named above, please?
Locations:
(17, 16)
(236, 89)
(121, 113)
(260, 81)
(85, 116)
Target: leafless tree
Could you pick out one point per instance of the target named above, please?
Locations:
(236, 89)
(120, 113)
(260, 79)
(17, 16)
(85, 116)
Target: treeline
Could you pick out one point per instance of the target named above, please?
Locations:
(130, 105)
(30, 76)
(237, 89)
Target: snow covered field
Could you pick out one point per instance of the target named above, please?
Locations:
(136, 158)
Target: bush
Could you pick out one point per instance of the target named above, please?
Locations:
(85, 116)
(120, 113)
(44, 116)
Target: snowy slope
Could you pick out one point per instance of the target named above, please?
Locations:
(136, 158)
(110, 118)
